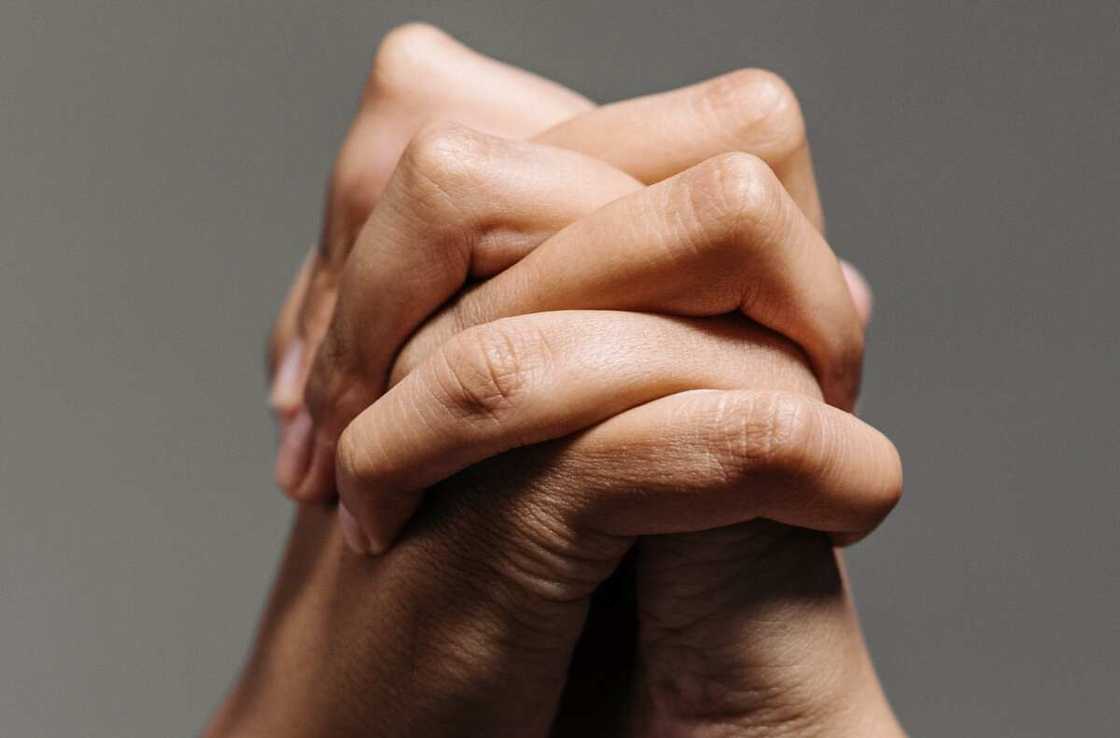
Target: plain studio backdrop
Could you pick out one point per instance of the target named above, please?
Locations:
(161, 171)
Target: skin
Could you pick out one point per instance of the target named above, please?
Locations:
(721, 237)
(749, 110)
(565, 499)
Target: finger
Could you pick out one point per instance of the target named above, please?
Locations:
(286, 368)
(285, 347)
(419, 75)
(461, 204)
(534, 378)
(860, 291)
(723, 236)
(704, 459)
(707, 458)
(657, 136)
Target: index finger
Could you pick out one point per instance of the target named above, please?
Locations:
(656, 136)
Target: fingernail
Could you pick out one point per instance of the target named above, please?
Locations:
(859, 289)
(287, 392)
(352, 532)
(291, 457)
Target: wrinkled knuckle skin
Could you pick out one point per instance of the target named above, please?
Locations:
(763, 432)
(485, 371)
(531, 544)
(759, 106)
(552, 562)
(445, 154)
(733, 194)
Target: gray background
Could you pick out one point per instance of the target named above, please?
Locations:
(161, 166)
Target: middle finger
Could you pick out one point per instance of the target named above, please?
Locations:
(723, 236)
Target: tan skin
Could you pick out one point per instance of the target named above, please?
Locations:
(723, 425)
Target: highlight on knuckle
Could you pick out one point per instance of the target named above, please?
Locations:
(759, 108)
(733, 194)
(442, 157)
(400, 52)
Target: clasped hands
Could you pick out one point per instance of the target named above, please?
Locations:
(541, 340)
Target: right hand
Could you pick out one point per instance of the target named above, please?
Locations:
(467, 626)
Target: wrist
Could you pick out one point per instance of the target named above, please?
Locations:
(751, 629)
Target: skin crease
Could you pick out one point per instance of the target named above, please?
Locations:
(669, 695)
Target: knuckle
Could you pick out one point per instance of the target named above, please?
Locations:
(401, 50)
(759, 107)
(734, 192)
(442, 159)
(534, 547)
(764, 431)
(486, 370)
(550, 559)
